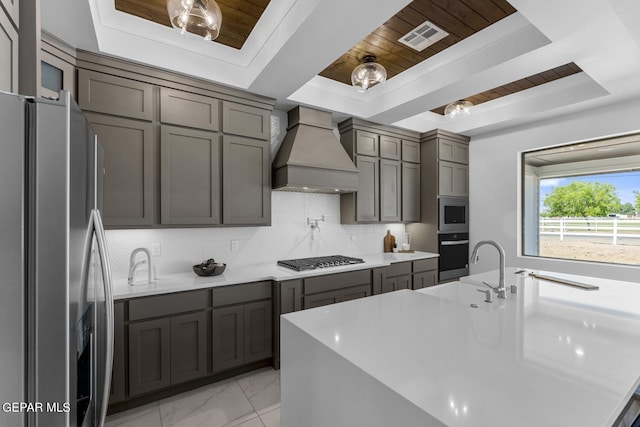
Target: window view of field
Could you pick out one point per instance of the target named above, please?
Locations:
(591, 218)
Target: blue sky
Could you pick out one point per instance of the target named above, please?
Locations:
(625, 183)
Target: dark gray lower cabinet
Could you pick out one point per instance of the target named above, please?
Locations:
(227, 330)
(188, 347)
(118, 379)
(355, 292)
(258, 331)
(149, 356)
(323, 298)
(396, 283)
(425, 279)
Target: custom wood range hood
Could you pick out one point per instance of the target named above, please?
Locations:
(311, 159)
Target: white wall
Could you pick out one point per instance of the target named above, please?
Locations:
(288, 237)
(494, 184)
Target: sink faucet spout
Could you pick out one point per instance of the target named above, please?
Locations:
(474, 258)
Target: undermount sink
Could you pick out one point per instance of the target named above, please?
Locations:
(464, 293)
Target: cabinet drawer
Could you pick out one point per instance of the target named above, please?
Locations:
(399, 269)
(162, 305)
(238, 294)
(410, 151)
(244, 120)
(332, 282)
(320, 299)
(189, 109)
(366, 143)
(390, 147)
(425, 265)
(109, 94)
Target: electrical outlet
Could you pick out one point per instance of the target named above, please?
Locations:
(353, 238)
(156, 249)
(234, 246)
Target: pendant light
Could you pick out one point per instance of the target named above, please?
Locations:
(458, 108)
(368, 74)
(199, 17)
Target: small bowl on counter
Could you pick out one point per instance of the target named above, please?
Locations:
(209, 268)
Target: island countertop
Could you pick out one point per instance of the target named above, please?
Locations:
(549, 355)
(179, 282)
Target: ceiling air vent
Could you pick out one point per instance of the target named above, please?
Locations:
(423, 36)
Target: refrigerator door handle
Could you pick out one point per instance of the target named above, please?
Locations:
(108, 292)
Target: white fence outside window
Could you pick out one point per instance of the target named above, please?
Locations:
(607, 227)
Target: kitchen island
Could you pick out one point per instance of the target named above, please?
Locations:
(549, 355)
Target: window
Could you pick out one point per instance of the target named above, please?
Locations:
(582, 201)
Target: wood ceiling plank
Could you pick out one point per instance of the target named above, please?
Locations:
(504, 5)
(463, 13)
(486, 9)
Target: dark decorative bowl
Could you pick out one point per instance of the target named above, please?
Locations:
(205, 269)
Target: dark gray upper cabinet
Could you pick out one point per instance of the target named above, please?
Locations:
(246, 192)
(244, 120)
(390, 147)
(190, 176)
(8, 52)
(377, 152)
(149, 356)
(129, 159)
(188, 347)
(104, 93)
(366, 143)
(410, 192)
(411, 151)
(390, 190)
(12, 7)
(188, 109)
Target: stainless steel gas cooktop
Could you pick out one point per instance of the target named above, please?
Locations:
(302, 264)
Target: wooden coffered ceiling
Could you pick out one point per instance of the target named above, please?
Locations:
(239, 17)
(460, 18)
(519, 85)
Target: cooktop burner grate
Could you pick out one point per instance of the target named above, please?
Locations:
(302, 264)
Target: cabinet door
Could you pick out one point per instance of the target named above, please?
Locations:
(378, 277)
(323, 298)
(258, 333)
(355, 292)
(404, 282)
(410, 192)
(149, 356)
(227, 329)
(8, 53)
(453, 151)
(390, 147)
(368, 195)
(390, 284)
(188, 347)
(425, 279)
(56, 75)
(104, 93)
(246, 181)
(453, 179)
(190, 176)
(290, 296)
(411, 151)
(245, 120)
(188, 109)
(390, 190)
(366, 143)
(129, 159)
(118, 373)
(12, 8)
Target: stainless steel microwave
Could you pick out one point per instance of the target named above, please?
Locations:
(453, 215)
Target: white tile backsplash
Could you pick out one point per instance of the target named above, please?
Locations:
(289, 236)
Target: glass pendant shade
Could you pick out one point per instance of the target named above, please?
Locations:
(368, 74)
(199, 17)
(458, 108)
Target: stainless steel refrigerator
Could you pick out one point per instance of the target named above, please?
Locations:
(56, 305)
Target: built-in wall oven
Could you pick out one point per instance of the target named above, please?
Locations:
(453, 214)
(454, 255)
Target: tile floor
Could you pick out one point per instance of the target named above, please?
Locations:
(248, 400)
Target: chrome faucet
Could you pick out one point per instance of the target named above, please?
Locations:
(500, 289)
(134, 265)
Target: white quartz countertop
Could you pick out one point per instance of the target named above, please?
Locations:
(251, 273)
(549, 355)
